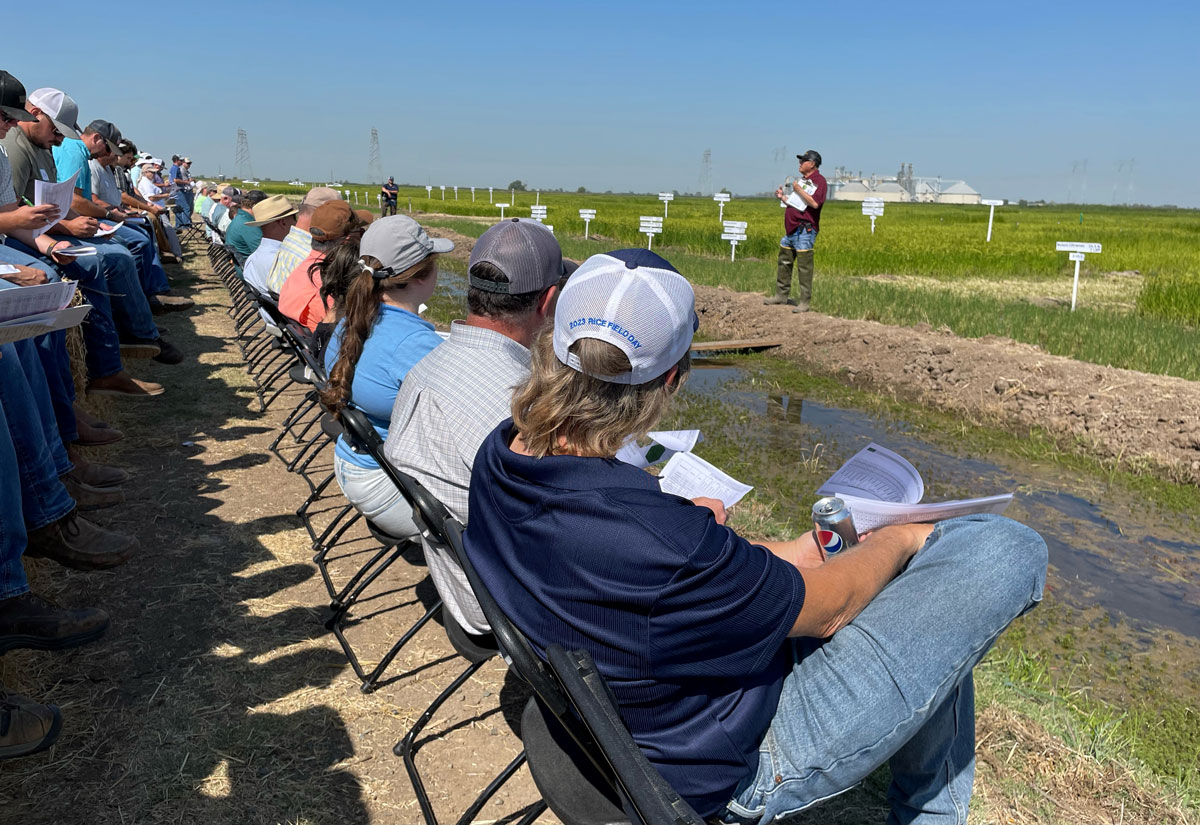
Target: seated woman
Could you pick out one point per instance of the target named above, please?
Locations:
(758, 677)
(376, 342)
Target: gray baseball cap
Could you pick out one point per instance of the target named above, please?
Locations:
(60, 107)
(525, 251)
(399, 243)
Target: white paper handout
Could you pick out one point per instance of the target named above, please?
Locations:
(108, 230)
(35, 300)
(690, 476)
(30, 326)
(881, 487)
(58, 194)
(75, 251)
(665, 444)
(8, 269)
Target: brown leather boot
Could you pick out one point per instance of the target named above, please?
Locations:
(92, 436)
(124, 384)
(31, 622)
(26, 726)
(88, 497)
(75, 542)
(95, 475)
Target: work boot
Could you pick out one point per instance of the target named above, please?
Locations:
(164, 303)
(88, 497)
(95, 475)
(26, 726)
(30, 622)
(168, 353)
(139, 348)
(804, 278)
(75, 542)
(92, 436)
(778, 299)
(783, 277)
(124, 384)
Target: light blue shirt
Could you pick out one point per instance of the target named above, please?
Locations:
(398, 340)
(73, 157)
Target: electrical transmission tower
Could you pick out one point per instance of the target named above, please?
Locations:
(706, 172)
(242, 158)
(780, 153)
(374, 164)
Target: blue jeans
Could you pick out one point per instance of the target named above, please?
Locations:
(182, 209)
(12, 526)
(895, 684)
(805, 237)
(41, 457)
(140, 242)
(52, 348)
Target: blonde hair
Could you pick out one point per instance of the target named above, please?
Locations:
(561, 410)
(363, 299)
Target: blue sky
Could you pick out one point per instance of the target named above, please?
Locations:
(628, 95)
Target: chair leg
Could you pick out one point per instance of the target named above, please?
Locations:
(370, 682)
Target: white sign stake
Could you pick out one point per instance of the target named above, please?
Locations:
(489, 194)
(721, 198)
(538, 213)
(1077, 250)
(666, 198)
(538, 198)
(651, 225)
(428, 191)
(588, 216)
(379, 200)
(502, 207)
(873, 208)
(456, 193)
(992, 204)
(472, 194)
(443, 192)
(735, 231)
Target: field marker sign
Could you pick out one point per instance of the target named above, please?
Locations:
(735, 231)
(588, 216)
(650, 226)
(456, 193)
(721, 198)
(443, 192)
(538, 213)
(872, 208)
(666, 198)
(472, 194)
(428, 191)
(489, 194)
(991, 212)
(502, 208)
(1078, 250)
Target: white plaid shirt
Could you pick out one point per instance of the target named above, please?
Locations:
(447, 405)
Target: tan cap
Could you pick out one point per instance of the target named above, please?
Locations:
(270, 210)
(319, 195)
(335, 220)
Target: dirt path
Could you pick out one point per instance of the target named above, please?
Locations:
(1103, 411)
(218, 696)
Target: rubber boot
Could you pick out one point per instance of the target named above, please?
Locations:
(783, 277)
(804, 279)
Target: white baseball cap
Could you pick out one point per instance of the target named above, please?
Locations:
(60, 108)
(634, 300)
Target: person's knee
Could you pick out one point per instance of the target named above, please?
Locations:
(1007, 560)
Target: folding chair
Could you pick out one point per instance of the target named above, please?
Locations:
(571, 768)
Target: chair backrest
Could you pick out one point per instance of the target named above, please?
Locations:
(428, 511)
(294, 333)
(646, 796)
(520, 654)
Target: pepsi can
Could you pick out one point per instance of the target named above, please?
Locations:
(833, 527)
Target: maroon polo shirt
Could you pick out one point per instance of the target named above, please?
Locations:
(793, 218)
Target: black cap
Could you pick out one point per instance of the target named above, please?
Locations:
(811, 154)
(253, 196)
(107, 131)
(12, 98)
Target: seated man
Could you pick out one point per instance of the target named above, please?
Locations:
(223, 217)
(120, 323)
(242, 238)
(298, 243)
(758, 678)
(331, 223)
(275, 217)
(459, 392)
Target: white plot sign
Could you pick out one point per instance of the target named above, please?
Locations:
(428, 191)
(650, 226)
(588, 216)
(443, 192)
(456, 193)
(538, 213)
(489, 194)
(991, 204)
(502, 206)
(666, 198)
(872, 208)
(721, 198)
(735, 231)
(1078, 250)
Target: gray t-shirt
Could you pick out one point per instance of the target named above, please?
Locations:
(29, 163)
(7, 193)
(104, 185)
(447, 405)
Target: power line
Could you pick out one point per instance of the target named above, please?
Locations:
(242, 157)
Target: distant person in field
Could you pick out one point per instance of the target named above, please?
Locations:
(389, 191)
(800, 227)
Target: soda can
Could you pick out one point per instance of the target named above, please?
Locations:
(833, 526)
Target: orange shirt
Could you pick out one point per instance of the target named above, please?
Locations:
(300, 296)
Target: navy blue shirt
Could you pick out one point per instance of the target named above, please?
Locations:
(685, 619)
